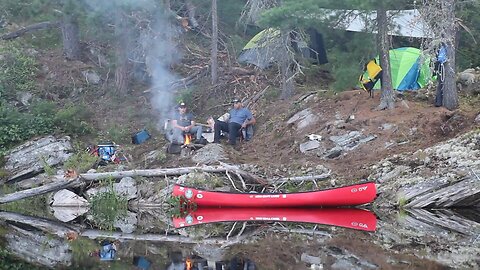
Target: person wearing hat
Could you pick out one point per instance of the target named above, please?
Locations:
(183, 123)
(240, 118)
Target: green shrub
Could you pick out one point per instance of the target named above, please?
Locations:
(73, 120)
(42, 119)
(17, 71)
(80, 162)
(186, 95)
(272, 94)
(107, 207)
(116, 134)
(16, 127)
(43, 108)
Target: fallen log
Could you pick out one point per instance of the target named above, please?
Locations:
(30, 28)
(89, 177)
(40, 190)
(446, 219)
(62, 230)
(94, 234)
(184, 82)
(36, 247)
(443, 194)
(277, 229)
(152, 172)
(50, 226)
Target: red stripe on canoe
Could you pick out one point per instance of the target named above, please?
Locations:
(343, 217)
(343, 196)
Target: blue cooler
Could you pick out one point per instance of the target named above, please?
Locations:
(140, 137)
(141, 262)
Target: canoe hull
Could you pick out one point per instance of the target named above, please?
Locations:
(343, 196)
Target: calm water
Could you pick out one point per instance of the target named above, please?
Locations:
(251, 239)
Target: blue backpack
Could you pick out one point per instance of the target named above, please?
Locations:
(106, 152)
(108, 251)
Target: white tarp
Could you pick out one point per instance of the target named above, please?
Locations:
(406, 23)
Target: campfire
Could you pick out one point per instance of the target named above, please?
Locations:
(188, 139)
(188, 264)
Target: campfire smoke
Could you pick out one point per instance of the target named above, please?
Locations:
(155, 43)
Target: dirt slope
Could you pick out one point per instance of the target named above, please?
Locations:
(412, 125)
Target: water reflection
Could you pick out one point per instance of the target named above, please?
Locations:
(254, 238)
(352, 218)
(178, 262)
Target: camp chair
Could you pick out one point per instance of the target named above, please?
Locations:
(374, 72)
(246, 134)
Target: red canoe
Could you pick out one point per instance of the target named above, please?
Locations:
(342, 196)
(343, 217)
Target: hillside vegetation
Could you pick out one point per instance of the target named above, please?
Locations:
(129, 53)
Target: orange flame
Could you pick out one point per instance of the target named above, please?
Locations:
(189, 264)
(188, 139)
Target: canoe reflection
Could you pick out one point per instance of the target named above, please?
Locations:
(353, 218)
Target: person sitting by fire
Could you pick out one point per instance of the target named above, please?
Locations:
(241, 119)
(183, 124)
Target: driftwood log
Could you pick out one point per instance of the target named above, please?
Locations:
(444, 194)
(50, 226)
(445, 219)
(64, 231)
(62, 182)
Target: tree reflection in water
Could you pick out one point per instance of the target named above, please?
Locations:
(268, 245)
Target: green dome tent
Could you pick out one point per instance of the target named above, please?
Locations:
(265, 48)
(408, 73)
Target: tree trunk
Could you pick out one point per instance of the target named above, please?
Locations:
(121, 51)
(191, 13)
(387, 99)
(286, 71)
(287, 80)
(71, 40)
(214, 43)
(450, 95)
